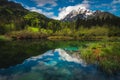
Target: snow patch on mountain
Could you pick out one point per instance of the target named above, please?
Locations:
(81, 12)
(66, 10)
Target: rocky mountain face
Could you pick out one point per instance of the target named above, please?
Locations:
(80, 13)
(86, 14)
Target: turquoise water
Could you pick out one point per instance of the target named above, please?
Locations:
(55, 64)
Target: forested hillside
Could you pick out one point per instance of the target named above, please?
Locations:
(15, 17)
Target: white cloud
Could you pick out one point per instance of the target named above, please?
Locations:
(85, 2)
(66, 10)
(48, 8)
(34, 9)
(62, 11)
(116, 2)
(71, 0)
(114, 8)
(41, 3)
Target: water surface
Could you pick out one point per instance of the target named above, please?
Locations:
(54, 65)
(50, 60)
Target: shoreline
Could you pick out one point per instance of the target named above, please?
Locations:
(58, 38)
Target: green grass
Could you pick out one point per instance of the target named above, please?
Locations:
(60, 38)
(33, 29)
(26, 35)
(106, 54)
(4, 38)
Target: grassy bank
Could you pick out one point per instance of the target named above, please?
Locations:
(60, 38)
(5, 38)
(82, 33)
(23, 35)
(105, 54)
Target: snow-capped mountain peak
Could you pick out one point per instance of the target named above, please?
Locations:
(79, 12)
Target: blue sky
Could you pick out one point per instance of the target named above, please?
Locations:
(57, 9)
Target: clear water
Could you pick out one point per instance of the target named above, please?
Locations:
(55, 64)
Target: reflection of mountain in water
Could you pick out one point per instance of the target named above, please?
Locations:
(53, 65)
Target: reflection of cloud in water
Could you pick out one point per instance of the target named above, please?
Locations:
(53, 65)
(68, 58)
